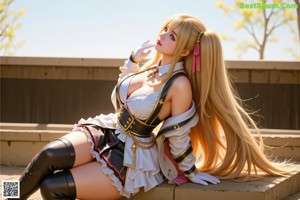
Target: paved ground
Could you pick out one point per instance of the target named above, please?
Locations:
(13, 173)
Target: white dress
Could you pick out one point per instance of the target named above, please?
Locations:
(145, 171)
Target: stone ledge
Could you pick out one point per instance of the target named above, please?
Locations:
(31, 135)
(266, 189)
(17, 138)
(112, 62)
(246, 71)
(30, 138)
(34, 126)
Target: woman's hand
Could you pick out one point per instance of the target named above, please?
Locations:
(140, 53)
(204, 179)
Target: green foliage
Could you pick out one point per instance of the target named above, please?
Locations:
(9, 24)
(259, 23)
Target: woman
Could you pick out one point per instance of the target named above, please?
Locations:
(185, 90)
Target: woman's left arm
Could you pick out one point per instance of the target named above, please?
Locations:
(180, 145)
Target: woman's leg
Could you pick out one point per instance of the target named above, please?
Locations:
(84, 182)
(63, 153)
(60, 185)
(82, 147)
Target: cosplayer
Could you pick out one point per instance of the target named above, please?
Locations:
(183, 92)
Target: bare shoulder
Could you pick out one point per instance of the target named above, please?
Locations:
(182, 83)
(181, 95)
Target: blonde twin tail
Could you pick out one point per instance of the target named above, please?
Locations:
(221, 140)
(222, 116)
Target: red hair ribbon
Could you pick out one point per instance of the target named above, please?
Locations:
(196, 55)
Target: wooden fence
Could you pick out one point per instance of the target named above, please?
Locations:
(62, 90)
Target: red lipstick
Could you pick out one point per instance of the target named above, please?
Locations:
(158, 42)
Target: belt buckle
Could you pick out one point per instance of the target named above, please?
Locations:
(128, 124)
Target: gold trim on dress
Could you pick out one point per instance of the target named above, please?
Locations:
(182, 153)
(159, 135)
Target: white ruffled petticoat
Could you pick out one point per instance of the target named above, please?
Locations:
(146, 173)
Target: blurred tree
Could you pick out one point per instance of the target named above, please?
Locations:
(298, 18)
(260, 22)
(9, 23)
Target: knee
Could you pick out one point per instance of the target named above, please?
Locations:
(54, 153)
(47, 154)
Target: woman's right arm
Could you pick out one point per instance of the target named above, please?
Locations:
(128, 68)
(131, 65)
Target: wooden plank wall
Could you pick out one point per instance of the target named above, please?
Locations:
(66, 101)
(62, 90)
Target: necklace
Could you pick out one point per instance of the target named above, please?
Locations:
(152, 73)
(163, 69)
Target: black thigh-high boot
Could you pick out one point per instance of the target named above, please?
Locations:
(58, 186)
(58, 154)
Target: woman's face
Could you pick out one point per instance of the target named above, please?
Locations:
(167, 40)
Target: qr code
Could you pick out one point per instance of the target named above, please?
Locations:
(10, 189)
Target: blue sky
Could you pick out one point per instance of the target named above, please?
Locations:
(111, 29)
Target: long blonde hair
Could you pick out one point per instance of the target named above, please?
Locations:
(222, 136)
